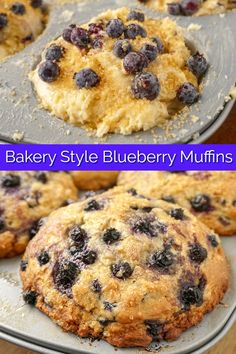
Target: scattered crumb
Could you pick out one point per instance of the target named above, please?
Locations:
(18, 136)
(194, 27)
(194, 118)
(222, 15)
(66, 15)
(232, 92)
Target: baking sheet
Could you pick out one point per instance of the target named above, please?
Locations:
(21, 118)
(27, 323)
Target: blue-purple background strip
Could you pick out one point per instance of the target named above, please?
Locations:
(118, 157)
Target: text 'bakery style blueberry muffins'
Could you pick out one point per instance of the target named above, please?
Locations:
(209, 195)
(26, 198)
(120, 73)
(191, 7)
(124, 268)
(20, 23)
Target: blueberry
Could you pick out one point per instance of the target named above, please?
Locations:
(3, 20)
(78, 235)
(36, 3)
(122, 48)
(154, 328)
(133, 192)
(2, 224)
(35, 228)
(148, 226)
(18, 8)
(96, 286)
(189, 7)
(48, 71)
(43, 258)
(168, 199)
(177, 213)
(97, 43)
(108, 306)
(86, 78)
(133, 30)
(30, 297)
(197, 64)
(41, 177)
(159, 44)
(110, 236)
(93, 205)
(150, 51)
(201, 203)
(121, 270)
(54, 53)
(66, 35)
(224, 220)
(161, 259)
(197, 253)
(10, 181)
(115, 28)
(135, 62)
(67, 202)
(174, 8)
(95, 28)
(145, 85)
(136, 15)
(188, 94)
(80, 37)
(64, 274)
(89, 257)
(23, 265)
(190, 294)
(213, 241)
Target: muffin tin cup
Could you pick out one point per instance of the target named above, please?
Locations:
(22, 118)
(29, 325)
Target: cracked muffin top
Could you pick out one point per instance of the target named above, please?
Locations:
(209, 195)
(20, 23)
(124, 268)
(120, 73)
(25, 198)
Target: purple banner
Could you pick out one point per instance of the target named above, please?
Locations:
(118, 157)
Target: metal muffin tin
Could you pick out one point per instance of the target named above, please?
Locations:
(21, 118)
(27, 326)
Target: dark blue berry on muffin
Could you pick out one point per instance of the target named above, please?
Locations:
(48, 71)
(188, 94)
(134, 30)
(54, 53)
(122, 48)
(43, 258)
(145, 85)
(135, 62)
(201, 203)
(80, 37)
(30, 297)
(41, 177)
(18, 9)
(190, 7)
(36, 3)
(10, 181)
(93, 205)
(115, 28)
(23, 265)
(174, 8)
(86, 78)
(177, 213)
(150, 51)
(96, 286)
(190, 294)
(198, 64)
(66, 34)
(213, 241)
(161, 260)
(136, 15)
(121, 270)
(3, 20)
(89, 257)
(197, 253)
(111, 235)
(65, 273)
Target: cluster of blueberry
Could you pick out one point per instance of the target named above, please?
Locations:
(184, 7)
(18, 9)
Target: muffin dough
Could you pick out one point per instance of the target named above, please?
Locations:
(25, 198)
(209, 195)
(124, 268)
(94, 180)
(21, 29)
(110, 106)
(207, 7)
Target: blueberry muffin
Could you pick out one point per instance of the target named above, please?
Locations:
(20, 23)
(209, 195)
(120, 73)
(94, 180)
(124, 268)
(25, 198)
(191, 7)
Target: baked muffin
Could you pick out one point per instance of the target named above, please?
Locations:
(124, 268)
(191, 7)
(209, 195)
(20, 23)
(120, 73)
(94, 180)
(25, 198)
